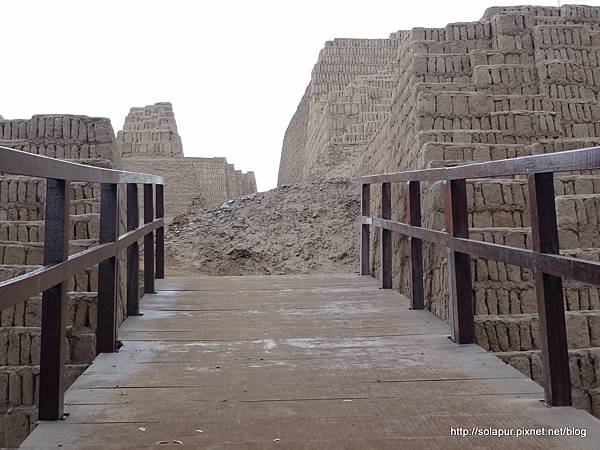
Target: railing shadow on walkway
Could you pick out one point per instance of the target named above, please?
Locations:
(59, 266)
(548, 265)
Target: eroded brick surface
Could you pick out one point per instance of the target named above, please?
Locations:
(150, 143)
(82, 139)
(520, 81)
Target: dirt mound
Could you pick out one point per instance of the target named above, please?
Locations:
(299, 228)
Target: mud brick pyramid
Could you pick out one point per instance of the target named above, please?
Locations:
(74, 138)
(150, 143)
(520, 81)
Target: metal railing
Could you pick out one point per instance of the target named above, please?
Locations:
(548, 265)
(59, 266)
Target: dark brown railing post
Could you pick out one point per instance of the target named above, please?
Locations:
(549, 292)
(133, 252)
(160, 233)
(416, 247)
(386, 237)
(365, 233)
(106, 331)
(148, 240)
(460, 290)
(54, 302)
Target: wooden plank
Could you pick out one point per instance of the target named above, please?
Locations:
(321, 434)
(549, 292)
(54, 302)
(279, 373)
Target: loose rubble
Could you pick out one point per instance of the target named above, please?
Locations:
(298, 228)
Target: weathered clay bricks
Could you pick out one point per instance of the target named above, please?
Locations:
(149, 142)
(493, 57)
(81, 312)
(453, 104)
(517, 333)
(43, 130)
(20, 346)
(85, 281)
(84, 226)
(427, 64)
(512, 23)
(31, 253)
(491, 137)
(150, 131)
(523, 80)
(461, 31)
(560, 71)
(528, 123)
(438, 154)
(80, 139)
(556, 34)
(437, 47)
(431, 34)
(20, 387)
(584, 373)
(506, 79)
(435, 87)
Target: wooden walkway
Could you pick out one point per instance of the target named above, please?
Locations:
(297, 362)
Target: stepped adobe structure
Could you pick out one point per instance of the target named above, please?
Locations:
(75, 138)
(520, 81)
(150, 143)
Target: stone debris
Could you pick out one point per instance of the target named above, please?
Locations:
(300, 228)
(522, 80)
(227, 206)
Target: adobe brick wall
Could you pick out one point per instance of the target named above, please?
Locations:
(150, 143)
(75, 138)
(520, 81)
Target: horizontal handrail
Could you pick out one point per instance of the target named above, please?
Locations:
(548, 265)
(14, 290)
(581, 159)
(18, 162)
(586, 271)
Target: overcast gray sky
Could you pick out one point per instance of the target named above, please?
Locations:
(234, 70)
